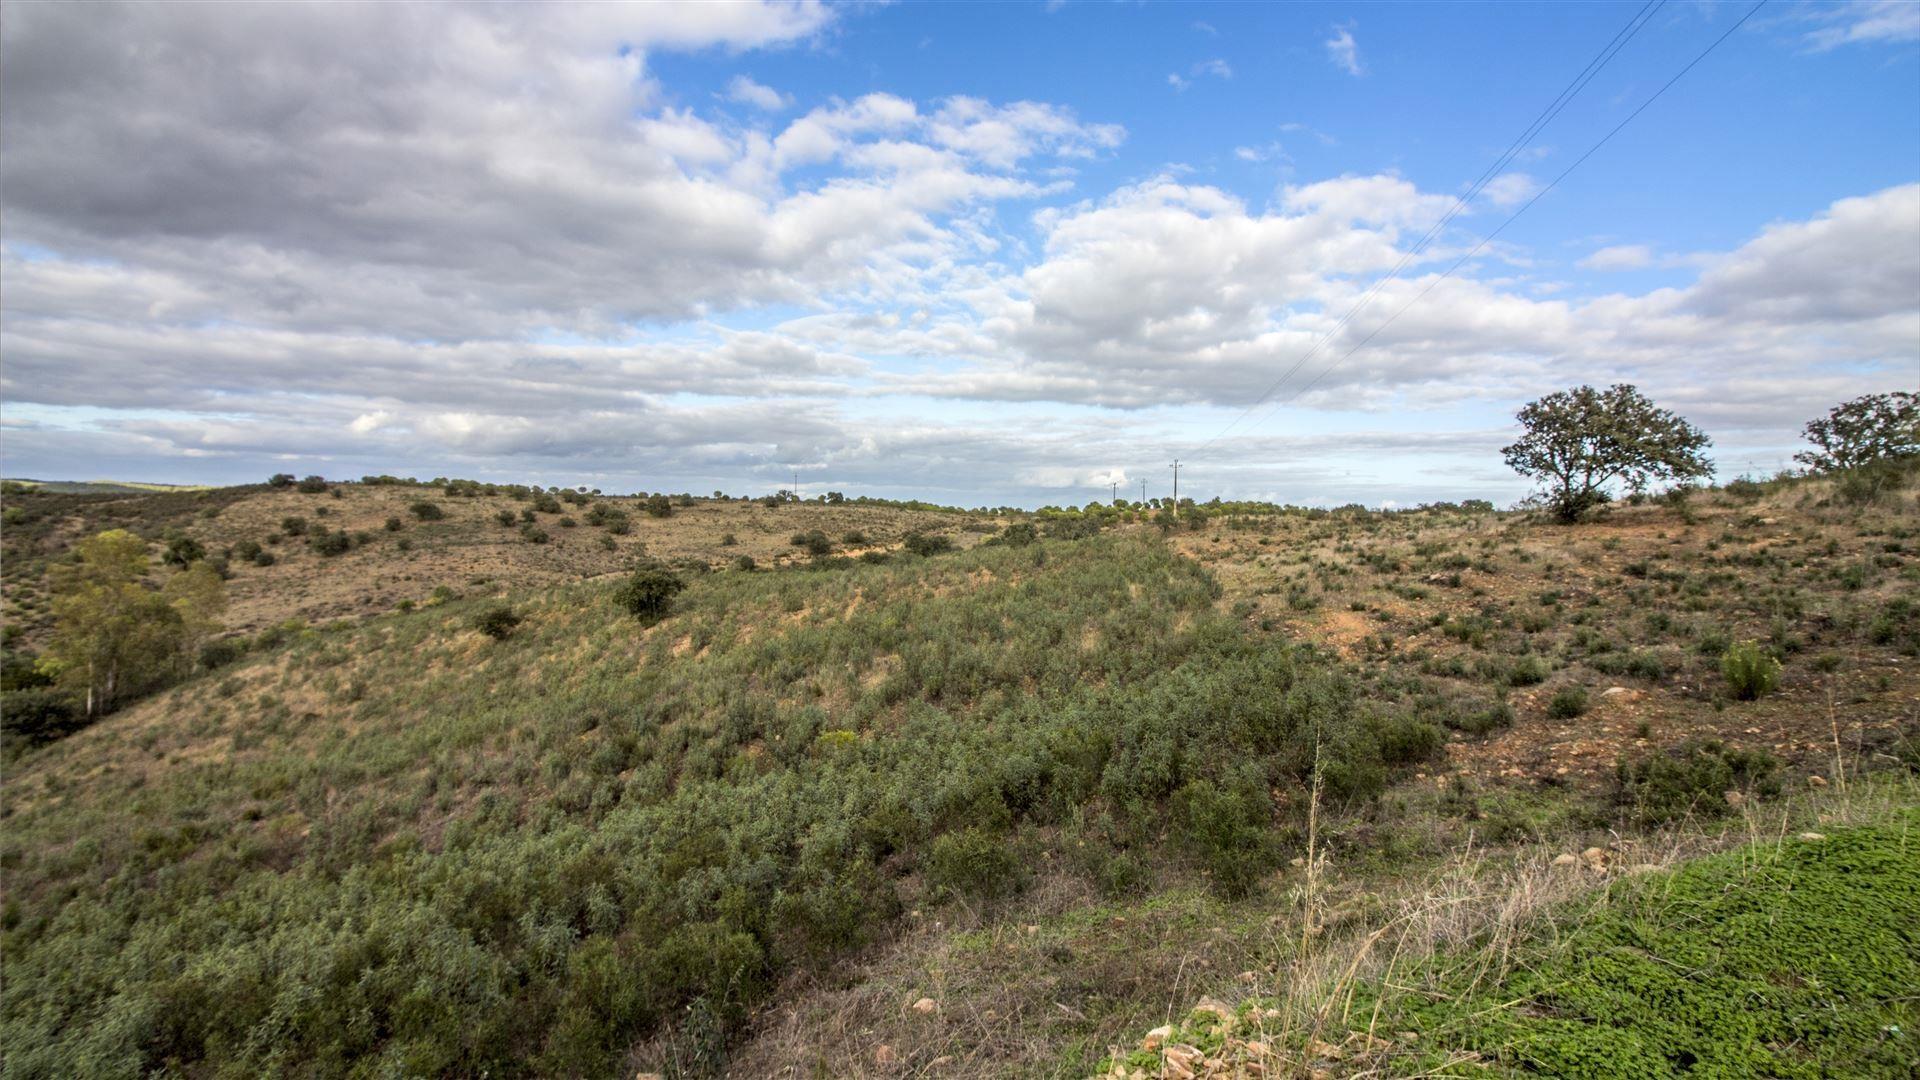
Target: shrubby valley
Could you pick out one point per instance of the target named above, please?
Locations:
(399, 777)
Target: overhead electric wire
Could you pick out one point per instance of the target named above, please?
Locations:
(1553, 109)
(1489, 238)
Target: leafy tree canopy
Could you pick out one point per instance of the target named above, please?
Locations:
(114, 636)
(1874, 427)
(1580, 442)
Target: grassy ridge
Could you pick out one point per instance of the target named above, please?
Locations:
(402, 847)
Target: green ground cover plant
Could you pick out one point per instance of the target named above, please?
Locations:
(1787, 958)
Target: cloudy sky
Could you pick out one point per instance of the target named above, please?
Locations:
(977, 254)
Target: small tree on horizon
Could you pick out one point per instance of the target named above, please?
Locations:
(1579, 442)
(1870, 428)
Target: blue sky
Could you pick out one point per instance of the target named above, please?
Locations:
(982, 253)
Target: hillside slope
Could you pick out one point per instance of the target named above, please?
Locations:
(990, 812)
(464, 549)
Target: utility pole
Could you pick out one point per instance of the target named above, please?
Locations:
(1176, 486)
(1143, 493)
(796, 485)
(1116, 489)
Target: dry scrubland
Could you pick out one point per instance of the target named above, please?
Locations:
(1362, 788)
(466, 550)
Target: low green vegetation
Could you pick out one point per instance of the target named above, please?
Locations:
(1784, 959)
(529, 858)
(1749, 671)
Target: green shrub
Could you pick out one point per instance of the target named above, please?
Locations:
(1568, 702)
(330, 544)
(975, 864)
(496, 622)
(394, 524)
(1479, 720)
(744, 562)
(37, 715)
(222, 651)
(312, 485)
(182, 550)
(1749, 671)
(927, 544)
(1122, 874)
(1019, 534)
(293, 526)
(427, 511)
(506, 519)
(1693, 779)
(1897, 624)
(813, 542)
(648, 592)
(534, 534)
(1229, 828)
(1530, 669)
(1403, 740)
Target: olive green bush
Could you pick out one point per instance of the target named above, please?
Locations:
(1693, 780)
(1749, 671)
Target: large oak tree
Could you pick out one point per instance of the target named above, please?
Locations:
(1580, 443)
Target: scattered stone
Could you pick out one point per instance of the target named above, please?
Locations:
(1156, 1037)
(1032, 929)
(884, 1056)
(1180, 1060)
(1813, 836)
(1734, 799)
(1566, 859)
(1214, 1007)
(1615, 691)
(1321, 1048)
(925, 1005)
(943, 1059)
(1595, 858)
(1643, 868)
(1258, 1049)
(1816, 780)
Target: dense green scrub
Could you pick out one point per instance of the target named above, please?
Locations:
(404, 848)
(1799, 959)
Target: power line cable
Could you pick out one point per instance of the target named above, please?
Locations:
(1552, 110)
(1528, 205)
